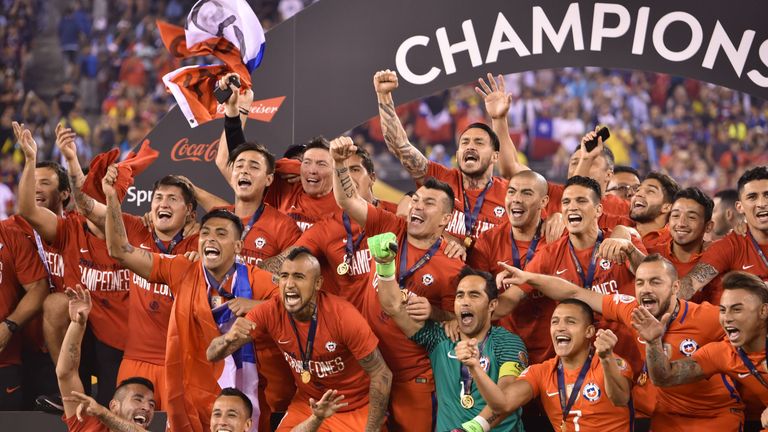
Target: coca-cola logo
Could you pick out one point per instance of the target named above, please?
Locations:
(262, 110)
(183, 150)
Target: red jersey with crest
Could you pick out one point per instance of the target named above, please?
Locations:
(492, 212)
(710, 293)
(88, 263)
(269, 236)
(592, 410)
(19, 265)
(52, 256)
(694, 326)
(290, 199)
(436, 281)
(342, 338)
(609, 278)
(737, 252)
(656, 238)
(150, 302)
(612, 204)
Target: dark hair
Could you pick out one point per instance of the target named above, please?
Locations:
(253, 146)
(433, 183)
(585, 308)
(297, 252)
(655, 257)
(746, 281)
(61, 173)
(586, 182)
(231, 391)
(487, 129)
(133, 380)
(695, 194)
(728, 197)
(626, 169)
(318, 142)
(668, 185)
(187, 191)
(750, 175)
(224, 214)
(610, 159)
(490, 283)
(365, 160)
(295, 151)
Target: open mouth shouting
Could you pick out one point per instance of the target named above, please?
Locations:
(471, 157)
(733, 333)
(141, 419)
(416, 219)
(649, 302)
(574, 219)
(292, 299)
(164, 215)
(516, 212)
(244, 183)
(211, 252)
(562, 341)
(762, 216)
(466, 318)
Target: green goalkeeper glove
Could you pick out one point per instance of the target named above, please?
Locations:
(379, 245)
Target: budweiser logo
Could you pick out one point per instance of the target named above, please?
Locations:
(262, 110)
(183, 150)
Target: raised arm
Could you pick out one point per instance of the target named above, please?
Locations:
(696, 279)
(619, 249)
(584, 163)
(663, 373)
(69, 359)
(378, 390)
(497, 102)
(238, 335)
(617, 386)
(394, 135)
(321, 410)
(236, 110)
(42, 220)
(139, 260)
(95, 211)
(342, 148)
(207, 200)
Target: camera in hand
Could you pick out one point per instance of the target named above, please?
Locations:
(602, 133)
(223, 95)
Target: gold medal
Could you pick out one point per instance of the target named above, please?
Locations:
(642, 379)
(467, 242)
(216, 301)
(342, 268)
(404, 295)
(467, 401)
(562, 427)
(305, 376)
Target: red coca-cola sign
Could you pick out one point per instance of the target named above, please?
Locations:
(183, 150)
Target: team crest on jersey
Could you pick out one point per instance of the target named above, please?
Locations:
(605, 264)
(498, 211)
(591, 392)
(260, 242)
(688, 347)
(330, 346)
(623, 298)
(154, 305)
(427, 279)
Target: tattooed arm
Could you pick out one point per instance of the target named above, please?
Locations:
(394, 135)
(69, 360)
(695, 280)
(95, 211)
(378, 393)
(139, 260)
(343, 187)
(273, 264)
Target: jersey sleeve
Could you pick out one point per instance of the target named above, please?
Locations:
(555, 193)
(279, 186)
(168, 269)
(64, 231)
(624, 367)
(639, 244)
(618, 307)
(720, 254)
(479, 257)
(314, 238)
(264, 316)
(262, 283)
(429, 336)
(26, 260)
(709, 358)
(133, 227)
(286, 232)
(381, 221)
(357, 334)
(510, 352)
(533, 375)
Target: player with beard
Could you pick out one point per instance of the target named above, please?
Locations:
(725, 215)
(625, 182)
(499, 354)
(130, 409)
(480, 194)
(735, 251)
(650, 207)
(424, 270)
(742, 357)
(707, 404)
(689, 222)
(576, 375)
(326, 342)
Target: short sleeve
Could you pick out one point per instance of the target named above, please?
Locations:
(440, 172)
(533, 376)
(26, 260)
(64, 231)
(89, 424)
(263, 315)
(618, 307)
(133, 227)
(429, 336)
(262, 283)
(167, 268)
(279, 186)
(555, 193)
(510, 353)
(639, 244)
(357, 334)
(709, 358)
(720, 254)
(313, 238)
(286, 232)
(381, 221)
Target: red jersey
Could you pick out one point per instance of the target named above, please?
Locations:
(609, 278)
(54, 262)
(710, 293)
(150, 302)
(657, 238)
(386, 205)
(694, 326)
(89, 424)
(291, 200)
(737, 252)
(592, 410)
(88, 263)
(272, 233)
(610, 221)
(342, 338)
(19, 265)
(436, 280)
(495, 245)
(492, 212)
(612, 204)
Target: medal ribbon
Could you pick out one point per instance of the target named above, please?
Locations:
(306, 352)
(586, 280)
(44, 259)
(751, 366)
(758, 249)
(466, 377)
(351, 245)
(531, 248)
(252, 222)
(176, 240)
(576, 390)
(471, 218)
(405, 274)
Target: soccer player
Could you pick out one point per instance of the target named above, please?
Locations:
(480, 194)
(424, 270)
(326, 342)
(20, 268)
(735, 251)
(742, 357)
(578, 389)
(131, 408)
(500, 354)
(698, 406)
(725, 215)
(650, 207)
(625, 182)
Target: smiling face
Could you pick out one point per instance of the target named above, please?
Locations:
(580, 209)
(219, 244)
(686, 222)
(741, 313)
(471, 306)
(168, 209)
(249, 176)
(524, 200)
(428, 214)
(136, 403)
(316, 172)
(230, 415)
(648, 202)
(654, 288)
(360, 176)
(299, 280)
(47, 193)
(570, 330)
(753, 203)
(475, 154)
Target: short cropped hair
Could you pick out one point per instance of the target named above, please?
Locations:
(187, 191)
(490, 283)
(669, 186)
(433, 183)
(746, 281)
(224, 214)
(61, 173)
(695, 194)
(589, 314)
(586, 182)
(754, 174)
(655, 257)
(253, 146)
(231, 391)
(487, 129)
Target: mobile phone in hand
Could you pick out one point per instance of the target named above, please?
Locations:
(223, 95)
(602, 133)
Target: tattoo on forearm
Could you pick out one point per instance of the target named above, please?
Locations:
(701, 274)
(658, 364)
(84, 202)
(116, 424)
(378, 394)
(74, 353)
(273, 264)
(397, 141)
(346, 182)
(492, 418)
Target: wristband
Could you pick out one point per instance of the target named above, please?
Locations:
(244, 111)
(386, 271)
(477, 424)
